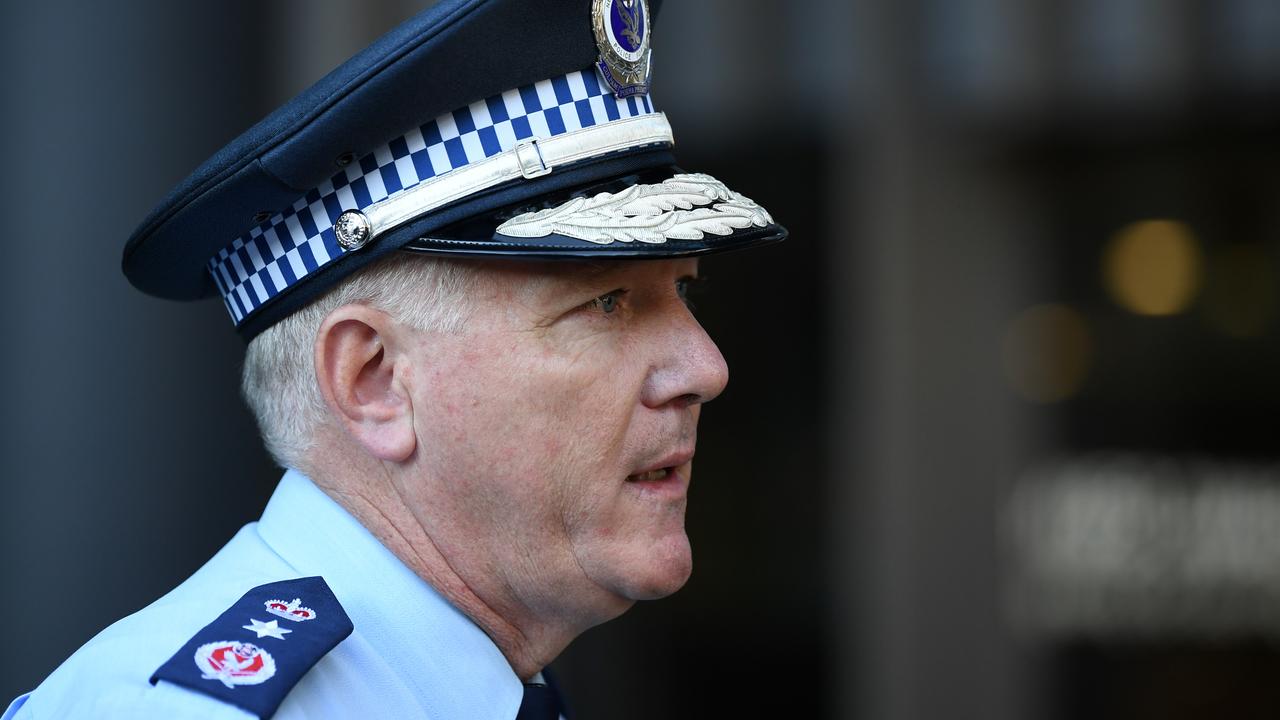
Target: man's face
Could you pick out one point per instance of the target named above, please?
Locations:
(555, 434)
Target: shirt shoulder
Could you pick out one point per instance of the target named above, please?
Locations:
(109, 677)
(124, 701)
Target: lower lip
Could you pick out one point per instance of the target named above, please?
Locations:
(674, 483)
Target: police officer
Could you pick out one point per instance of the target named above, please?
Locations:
(469, 346)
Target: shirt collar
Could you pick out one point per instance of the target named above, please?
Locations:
(449, 662)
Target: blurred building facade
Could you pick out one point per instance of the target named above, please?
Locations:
(997, 443)
(1066, 254)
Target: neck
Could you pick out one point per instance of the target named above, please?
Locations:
(528, 644)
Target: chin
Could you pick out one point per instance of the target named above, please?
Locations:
(664, 569)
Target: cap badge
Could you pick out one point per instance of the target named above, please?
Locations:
(235, 663)
(290, 610)
(622, 34)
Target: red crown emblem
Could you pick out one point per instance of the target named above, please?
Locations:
(235, 663)
(290, 610)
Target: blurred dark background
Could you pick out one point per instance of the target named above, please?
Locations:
(999, 440)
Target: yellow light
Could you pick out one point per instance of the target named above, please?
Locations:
(1153, 267)
(1047, 353)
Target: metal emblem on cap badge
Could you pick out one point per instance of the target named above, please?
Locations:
(622, 34)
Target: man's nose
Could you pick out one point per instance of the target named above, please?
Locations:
(689, 369)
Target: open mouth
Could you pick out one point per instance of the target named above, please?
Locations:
(668, 474)
(652, 475)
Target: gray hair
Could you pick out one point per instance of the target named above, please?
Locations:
(279, 371)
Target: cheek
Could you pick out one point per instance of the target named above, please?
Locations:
(526, 426)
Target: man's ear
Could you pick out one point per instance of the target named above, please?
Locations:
(356, 355)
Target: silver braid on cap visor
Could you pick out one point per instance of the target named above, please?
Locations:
(525, 132)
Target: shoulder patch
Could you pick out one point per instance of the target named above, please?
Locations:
(257, 650)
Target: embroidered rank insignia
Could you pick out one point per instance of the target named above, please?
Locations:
(235, 663)
(290, 610)
(252, 663)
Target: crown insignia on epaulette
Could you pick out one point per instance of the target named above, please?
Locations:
(290, 610)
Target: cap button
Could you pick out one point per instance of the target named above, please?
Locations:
(352, 230)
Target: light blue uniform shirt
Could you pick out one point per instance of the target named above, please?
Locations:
(411, 655)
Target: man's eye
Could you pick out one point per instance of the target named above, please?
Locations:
(608, 302)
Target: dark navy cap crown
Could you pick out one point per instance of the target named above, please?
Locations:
(478, 127)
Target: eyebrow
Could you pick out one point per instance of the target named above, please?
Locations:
(560, 277)
(580, 273)
(585, 272)
(595, 269)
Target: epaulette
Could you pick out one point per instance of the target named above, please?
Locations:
(256, 651)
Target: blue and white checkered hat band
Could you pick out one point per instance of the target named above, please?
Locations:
(295, 243)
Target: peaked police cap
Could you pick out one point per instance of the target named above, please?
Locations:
(515, 128)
